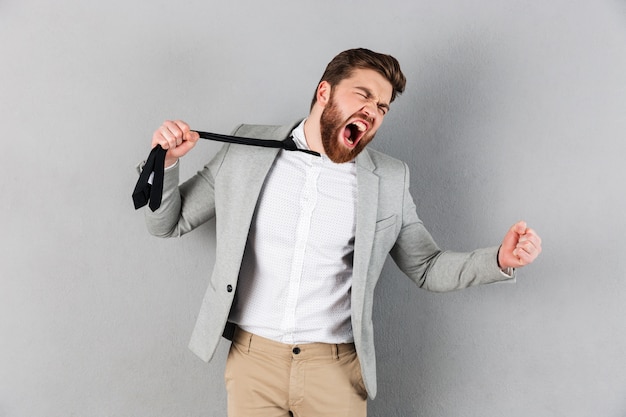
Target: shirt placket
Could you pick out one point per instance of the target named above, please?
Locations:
(308, 201)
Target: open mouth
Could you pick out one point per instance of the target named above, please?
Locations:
(354, 132)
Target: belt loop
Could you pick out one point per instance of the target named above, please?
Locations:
(335, 351)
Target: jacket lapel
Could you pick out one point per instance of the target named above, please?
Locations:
(252, 166)
(367, 208)
(240, 189)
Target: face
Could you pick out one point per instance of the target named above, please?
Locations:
(353, 113)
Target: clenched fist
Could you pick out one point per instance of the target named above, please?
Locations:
(176, 137)
(520, 246)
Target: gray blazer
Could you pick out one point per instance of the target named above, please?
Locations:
(227, 189)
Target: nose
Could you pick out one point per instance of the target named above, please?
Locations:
(369, 110)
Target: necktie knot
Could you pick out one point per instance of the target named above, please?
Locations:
(289, 144)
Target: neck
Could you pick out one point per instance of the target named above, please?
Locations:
(312, 132)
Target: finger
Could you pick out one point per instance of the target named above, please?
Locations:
(183, 148)
(530, 240)
(514, 233)
(182, 126)
(180, 129)
(191, 136)
(157, 138)
(533, 237)
(526, 243)
(520, 227)
(529, 247)
(511, 237)
(523, 258)
(526, 253)
(163, 136)
(173, 132)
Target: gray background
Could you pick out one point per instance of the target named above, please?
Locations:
(514, 109)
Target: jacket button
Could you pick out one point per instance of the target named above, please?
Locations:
(229, 288)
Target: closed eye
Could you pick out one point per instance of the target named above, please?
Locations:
(363, 92)
(367, 94)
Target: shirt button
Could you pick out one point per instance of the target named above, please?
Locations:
(229, 288)
(296, 350)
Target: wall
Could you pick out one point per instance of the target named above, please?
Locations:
(513, 109)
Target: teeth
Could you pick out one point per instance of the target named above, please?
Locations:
(360, 126)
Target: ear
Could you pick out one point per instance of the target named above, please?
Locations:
(323, 93)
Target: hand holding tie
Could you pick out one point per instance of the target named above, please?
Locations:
(176, 138)
(173, 140)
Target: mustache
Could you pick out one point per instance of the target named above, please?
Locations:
(363, 116)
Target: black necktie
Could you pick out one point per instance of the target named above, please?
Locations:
(145, 193)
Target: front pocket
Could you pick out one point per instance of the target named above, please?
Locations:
(385, 223)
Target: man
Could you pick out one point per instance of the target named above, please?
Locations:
(301, 241)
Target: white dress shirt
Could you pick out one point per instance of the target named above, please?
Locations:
(296, 274)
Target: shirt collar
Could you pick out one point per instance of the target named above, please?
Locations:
(300, 139)
(298, 136)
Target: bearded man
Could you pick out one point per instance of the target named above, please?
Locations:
(301, 239)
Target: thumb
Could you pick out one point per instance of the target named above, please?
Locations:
(520, 227)
(507, 255)
(512, 236)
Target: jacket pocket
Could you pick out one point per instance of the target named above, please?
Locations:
(385, 223)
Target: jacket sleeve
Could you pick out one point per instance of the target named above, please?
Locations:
(418, 256)
(187, 206)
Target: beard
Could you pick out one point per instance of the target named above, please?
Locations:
(332, 126)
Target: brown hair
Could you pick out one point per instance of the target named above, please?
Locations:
(342, 66)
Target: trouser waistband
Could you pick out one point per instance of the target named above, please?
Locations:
(253, 342)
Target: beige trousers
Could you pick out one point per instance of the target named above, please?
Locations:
(270, 379)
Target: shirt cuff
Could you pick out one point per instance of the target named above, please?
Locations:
(142, 163)
(508, 272)
(175, 164)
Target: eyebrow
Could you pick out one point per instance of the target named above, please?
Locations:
(370, 94)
